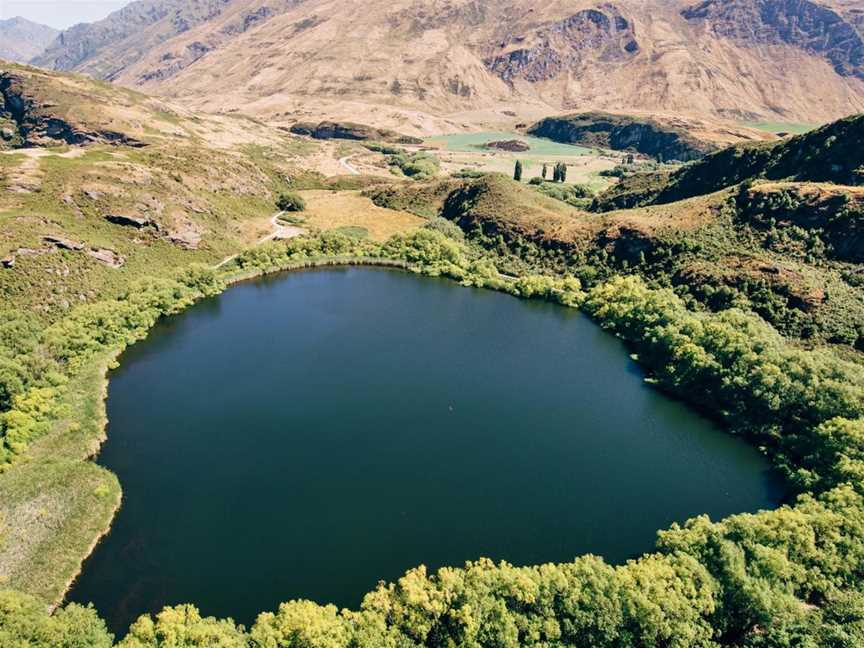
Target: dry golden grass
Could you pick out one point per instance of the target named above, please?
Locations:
(328, 210)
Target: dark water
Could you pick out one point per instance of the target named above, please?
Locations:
(308, 436)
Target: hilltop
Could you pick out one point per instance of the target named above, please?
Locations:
(21, 39)
(421, 67)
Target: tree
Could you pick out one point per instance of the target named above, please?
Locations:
(291, 202)
(517, 172)
(563, 173)
(545, 171)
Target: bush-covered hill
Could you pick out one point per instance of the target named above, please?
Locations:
(833, 153)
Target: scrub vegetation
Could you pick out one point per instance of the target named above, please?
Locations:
(731, 278)
(746, 580)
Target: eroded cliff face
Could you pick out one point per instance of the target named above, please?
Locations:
(812, 27)
(602, 33)
(622, 133)
(26, 122)
(102, 49)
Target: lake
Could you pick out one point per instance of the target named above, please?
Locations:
(308, 435)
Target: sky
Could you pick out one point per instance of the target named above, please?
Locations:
(59, 13)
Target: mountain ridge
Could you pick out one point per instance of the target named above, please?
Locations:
(22, 39)
(782, 60)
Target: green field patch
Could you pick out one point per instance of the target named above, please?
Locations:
(794, 128)
(352, 231)
(473, 142)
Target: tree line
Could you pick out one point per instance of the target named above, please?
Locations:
(773, 579)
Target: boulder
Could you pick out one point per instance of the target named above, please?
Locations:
(138, 222)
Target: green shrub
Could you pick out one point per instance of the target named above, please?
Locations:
(291, 202)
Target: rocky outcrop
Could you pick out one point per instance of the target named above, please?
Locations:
(623, 133)
(137, 222)
(349, 131)
(514, 146)
(63, 243)
(26, 121)
(814, 28)
(600, 33)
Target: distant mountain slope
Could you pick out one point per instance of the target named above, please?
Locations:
(789, 60)
(21, 39)
(103, 49)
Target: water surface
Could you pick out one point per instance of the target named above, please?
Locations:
(309, 435)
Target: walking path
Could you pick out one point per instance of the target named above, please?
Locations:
(280, 231)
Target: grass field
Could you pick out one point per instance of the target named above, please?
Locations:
(469, 142)
(349, 212)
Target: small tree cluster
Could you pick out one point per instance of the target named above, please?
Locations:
(559, 173)
(291, 202)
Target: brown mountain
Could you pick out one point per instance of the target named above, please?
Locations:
(398, 61)
(21, 39)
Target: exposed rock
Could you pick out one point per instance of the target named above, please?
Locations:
(137, 222)
(37, 124)
(187, 239)
(63, 243)
(8, 261)
(515, 146)
(105, 47)
(108, 257)
(601, 33)
(811, 27)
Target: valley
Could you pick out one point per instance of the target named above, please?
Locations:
(433, 324)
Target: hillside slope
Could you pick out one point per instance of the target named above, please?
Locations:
(747, 59)
(21, 39)
(833, 153)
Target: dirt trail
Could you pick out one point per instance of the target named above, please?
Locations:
(280, 231)
(343, 162)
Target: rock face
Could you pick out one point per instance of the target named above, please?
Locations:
(805, 25)
(21, 40)
(408, 61)
(131, 221)
(601, 33)
(25, 121)
(622, 133)
(104, 48)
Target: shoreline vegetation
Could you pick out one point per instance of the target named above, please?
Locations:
(746, 580)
